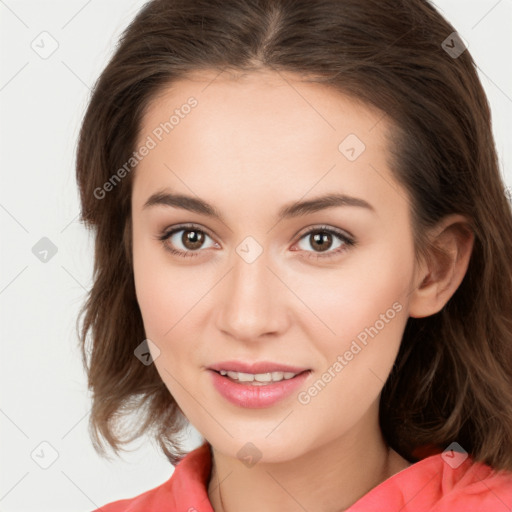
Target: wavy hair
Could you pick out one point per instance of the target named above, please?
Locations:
(452, 377)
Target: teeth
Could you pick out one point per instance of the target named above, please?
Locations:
(258, 377)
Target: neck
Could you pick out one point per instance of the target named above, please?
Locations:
(326, 478)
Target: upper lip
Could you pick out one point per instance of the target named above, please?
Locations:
(256, 367)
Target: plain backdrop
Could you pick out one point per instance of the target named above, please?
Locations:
(47, 461)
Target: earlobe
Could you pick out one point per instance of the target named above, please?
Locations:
(452, 244)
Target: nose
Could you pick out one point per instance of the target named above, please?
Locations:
(253, 302)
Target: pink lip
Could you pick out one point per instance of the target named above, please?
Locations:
(259, 367)
(256, 396)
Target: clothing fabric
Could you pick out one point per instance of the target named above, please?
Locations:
(434, 484)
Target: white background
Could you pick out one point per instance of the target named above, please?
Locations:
(44, 393)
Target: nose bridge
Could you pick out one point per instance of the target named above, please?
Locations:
(251, 304)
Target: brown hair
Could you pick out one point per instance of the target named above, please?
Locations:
(452, 377)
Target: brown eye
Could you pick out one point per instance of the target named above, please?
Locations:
(185, 241)
(322, 240)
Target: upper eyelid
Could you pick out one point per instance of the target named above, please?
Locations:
(173, 230)
(320, 227)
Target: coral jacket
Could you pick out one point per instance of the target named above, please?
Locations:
(433, 484)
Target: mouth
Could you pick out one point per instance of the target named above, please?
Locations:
(258, 379)
(257, 390)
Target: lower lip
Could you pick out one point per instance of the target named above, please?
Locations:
(255, 396)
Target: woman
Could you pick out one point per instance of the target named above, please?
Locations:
(303, 249)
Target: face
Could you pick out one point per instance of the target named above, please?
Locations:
(324, 288)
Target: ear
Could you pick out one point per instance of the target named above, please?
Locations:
(438, 278)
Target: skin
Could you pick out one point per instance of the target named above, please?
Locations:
(253, 144)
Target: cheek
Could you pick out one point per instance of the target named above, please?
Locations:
(165, 292)
(151, 292)
(367, 310)
(372, 283)
(166, 296)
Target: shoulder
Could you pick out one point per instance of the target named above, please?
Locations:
(472, 485)
(445, 482)
(149, 501)
(186, 486)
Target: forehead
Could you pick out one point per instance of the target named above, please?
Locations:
(257, 130)
(278, 97)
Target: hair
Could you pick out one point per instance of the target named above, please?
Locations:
(451, 381)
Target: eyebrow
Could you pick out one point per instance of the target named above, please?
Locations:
(295, 209)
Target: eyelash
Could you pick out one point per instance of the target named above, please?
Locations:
(347, 241)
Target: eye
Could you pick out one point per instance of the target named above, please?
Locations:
(323, 238)
(192, 239)
(188, 243)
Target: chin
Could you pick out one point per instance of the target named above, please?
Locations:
(258, 448)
